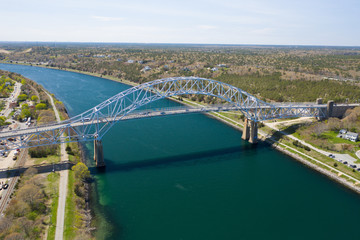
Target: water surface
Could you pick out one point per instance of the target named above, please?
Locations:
(192, 177)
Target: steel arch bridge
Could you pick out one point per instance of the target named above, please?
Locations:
(97, 121)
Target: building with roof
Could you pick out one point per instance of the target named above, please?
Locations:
(344, 134)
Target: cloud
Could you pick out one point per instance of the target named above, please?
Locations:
(107, 19)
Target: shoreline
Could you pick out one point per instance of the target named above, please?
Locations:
(273, 144)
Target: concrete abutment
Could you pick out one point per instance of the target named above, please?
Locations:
(250, 131)
(98, 154)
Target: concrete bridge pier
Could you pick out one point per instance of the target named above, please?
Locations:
(246, 130)
(253, 132)
(329, 108)
(250, 131)
(98, 153)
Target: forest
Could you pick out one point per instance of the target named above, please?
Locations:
(272, 73)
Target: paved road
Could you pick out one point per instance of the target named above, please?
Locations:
(63, 182)
(12, 98)
(358, 154)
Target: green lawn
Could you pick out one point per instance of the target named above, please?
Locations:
(332, 137)
(48, 159)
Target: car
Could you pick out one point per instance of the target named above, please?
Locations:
(345, 162)
(14, 157)
(353, 166)
(162, 113)
(358, 169)
(5, 186)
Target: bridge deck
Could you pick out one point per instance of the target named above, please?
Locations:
(138, 115)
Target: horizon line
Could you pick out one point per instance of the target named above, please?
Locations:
(164, 43)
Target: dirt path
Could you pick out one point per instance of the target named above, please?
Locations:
(63, 182)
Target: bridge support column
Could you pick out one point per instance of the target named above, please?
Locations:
(250, 131)
(98, 154)
(246, 130)
(329, 108)
(253, 132)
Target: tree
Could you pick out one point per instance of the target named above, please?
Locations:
(29, 193)
(81, 171)
(25, 106)
(22, 97)
(25, 113)
(40, 106)
(3, 121)
(14, 236)
(34, 98)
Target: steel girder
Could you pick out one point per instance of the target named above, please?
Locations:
(96, 122)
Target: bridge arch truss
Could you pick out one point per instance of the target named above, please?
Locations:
(97, 121)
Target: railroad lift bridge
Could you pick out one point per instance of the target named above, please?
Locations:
(93, 124)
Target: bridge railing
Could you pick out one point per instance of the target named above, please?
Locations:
(288, 104)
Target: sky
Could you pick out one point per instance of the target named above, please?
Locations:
(271, 22)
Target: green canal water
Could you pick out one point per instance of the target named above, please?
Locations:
(192, 177)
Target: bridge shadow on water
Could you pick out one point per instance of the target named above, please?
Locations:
(202, 157)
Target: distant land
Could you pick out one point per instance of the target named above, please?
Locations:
(9, 44)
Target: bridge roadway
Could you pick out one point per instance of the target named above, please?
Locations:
(134, 115)
(144, 114)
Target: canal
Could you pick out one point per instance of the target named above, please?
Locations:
(192, 177)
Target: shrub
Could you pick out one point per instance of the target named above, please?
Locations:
(69, 150)
(34, 98)
(43, 151)
(41, 106)
(81, 171)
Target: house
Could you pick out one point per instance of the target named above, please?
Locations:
(342, 131)
(351, 136)
(214, 69)
(222, 65)
(146, 68)
(130, 61)
(344, 134)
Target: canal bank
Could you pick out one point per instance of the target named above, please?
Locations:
(178, 177)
